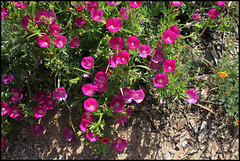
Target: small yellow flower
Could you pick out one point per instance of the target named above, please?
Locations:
(175, 10)
(222, 74)
(237, 123)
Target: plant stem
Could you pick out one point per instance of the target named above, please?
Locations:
(70, 111)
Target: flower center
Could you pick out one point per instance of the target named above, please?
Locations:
(15, 111)
(90, 92)
(45, 43)
(168, 39)
(102, 79)
(75, 43)
(40, 112)
(60, 43)
(136, 96)
(91, 107)
(160, 81)
(117, 104)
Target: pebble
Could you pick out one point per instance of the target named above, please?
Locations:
(167, 156)
(184, 144)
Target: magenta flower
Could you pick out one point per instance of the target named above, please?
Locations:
(105, 140)
(20, 117)
(88, 116)
(44, 41)
(13, 111)
(25, 21)
(4, 13)
(133, 42)
(113, 2)
(169, 36)
(114, 24)
(38, 128)
(91, 5)
(90, 105)
(39, 112)
(101, 77)
(68, 134)
(101, 87)
(16, 96)
(124, 13)
(80, 22)
(117, 104)
(3, 142)
(169, 65)
(176, 30)
(129, 111)
(39, 97)
(213, 13)
(176, 3)
(74, 43)
(126, 95)
(193, 96)
(87, 62)
(220, 3)
(116, 43)
(60, 94)
(7, 78)
(4, 108)
(196, 16)
(121, 120)
(54, 29)
(84, 125)
(160, 80)
(135, 4)
(20, 4)
(49, 103)
(158, 56)
(97, 14)
(113, 61)
(88, 89)
(91, 136)
(39, 16)
(138, 96)
(144, 50)
(80, 8)
(48, 17)
(123, 57)
(155, 66)
(51, 17)
(120, 144)
(60, 41)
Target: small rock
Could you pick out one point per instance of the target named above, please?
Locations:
(172, 151)
(184, 144)
(167, 156)
(192, 151)
(204, 129)
(193, 124)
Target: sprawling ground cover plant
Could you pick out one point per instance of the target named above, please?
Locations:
(97, 57)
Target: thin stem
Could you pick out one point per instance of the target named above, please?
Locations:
(70, 111)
